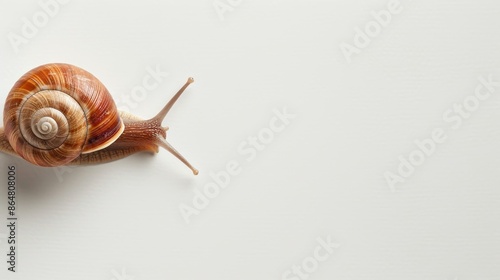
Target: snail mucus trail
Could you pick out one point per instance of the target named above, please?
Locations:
(59, 114)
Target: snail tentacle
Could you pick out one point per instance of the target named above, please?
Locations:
(139, 136)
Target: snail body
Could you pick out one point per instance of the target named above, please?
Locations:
(59, 114)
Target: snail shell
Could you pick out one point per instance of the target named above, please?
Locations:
(56, 112)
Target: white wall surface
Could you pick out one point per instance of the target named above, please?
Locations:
(365, 82)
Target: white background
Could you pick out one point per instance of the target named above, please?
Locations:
(320, 177)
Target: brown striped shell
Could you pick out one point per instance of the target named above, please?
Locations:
(56, 112)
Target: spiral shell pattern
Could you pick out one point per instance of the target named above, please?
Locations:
(55, 112)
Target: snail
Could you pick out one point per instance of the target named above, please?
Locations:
(59, 114)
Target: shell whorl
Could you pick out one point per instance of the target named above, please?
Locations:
(55, 112)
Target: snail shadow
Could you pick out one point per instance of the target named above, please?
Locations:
(37, 185)
(40, 185)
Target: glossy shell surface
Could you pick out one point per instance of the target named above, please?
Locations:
(55, 112)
